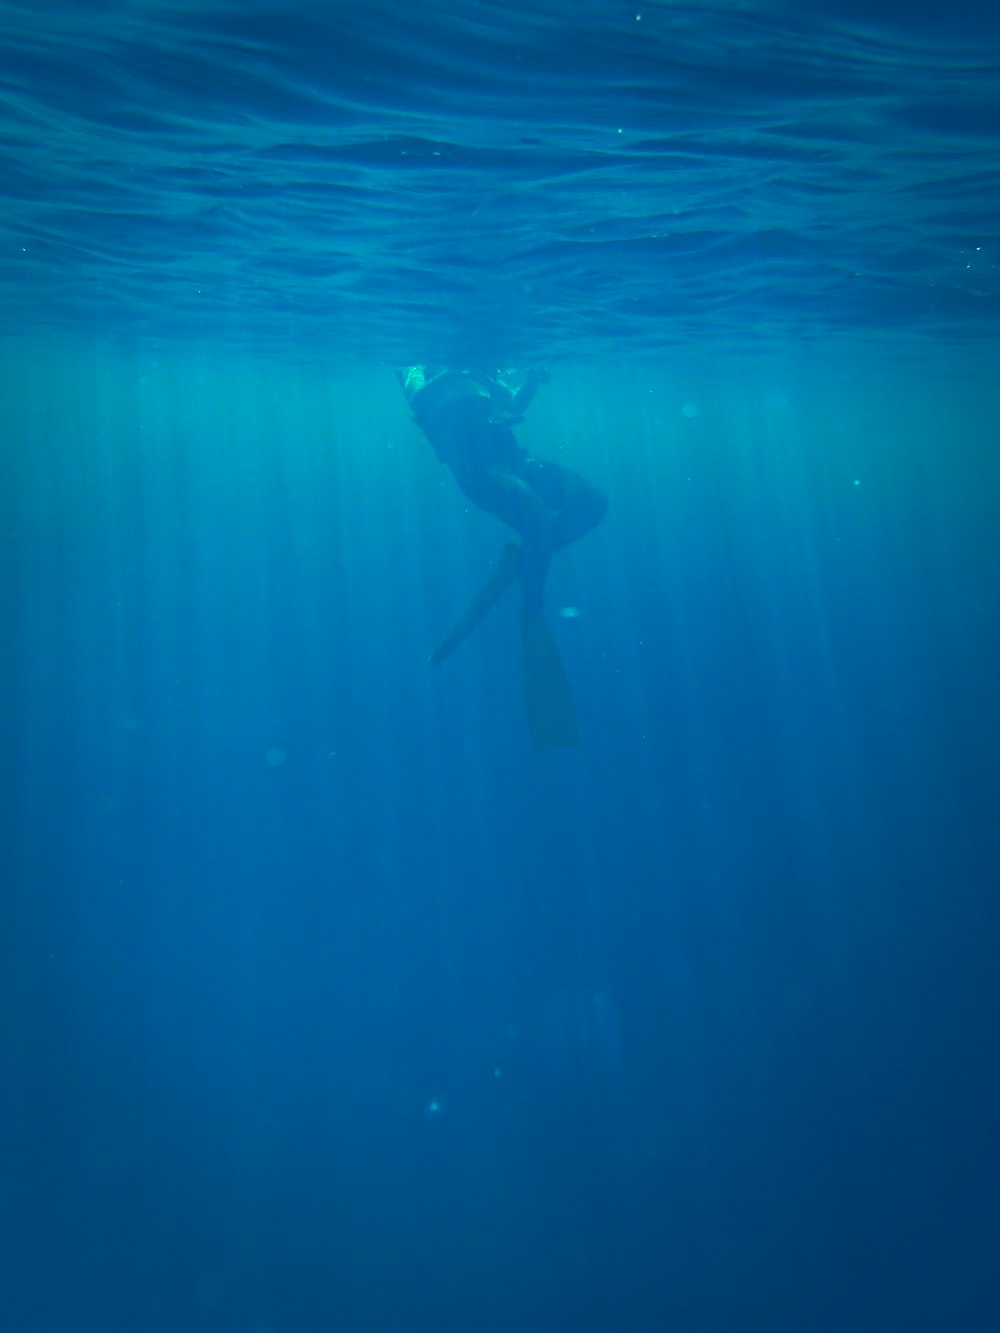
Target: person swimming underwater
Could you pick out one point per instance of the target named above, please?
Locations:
(468, 417)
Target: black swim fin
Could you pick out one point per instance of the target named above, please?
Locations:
(548, 699)
(503, 576)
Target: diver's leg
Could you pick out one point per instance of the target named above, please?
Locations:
(536, 556)
(576, 506)
(509, 497)
(512, 498)
(507, 570)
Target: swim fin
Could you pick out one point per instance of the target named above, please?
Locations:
(507, 570)
(548, 699)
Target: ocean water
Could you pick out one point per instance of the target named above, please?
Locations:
(328, 1004)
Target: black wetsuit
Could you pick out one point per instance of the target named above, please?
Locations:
(468, 419)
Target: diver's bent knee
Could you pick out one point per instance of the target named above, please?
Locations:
(597, 510)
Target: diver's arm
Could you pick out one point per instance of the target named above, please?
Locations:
(414, 379)
(523, 395)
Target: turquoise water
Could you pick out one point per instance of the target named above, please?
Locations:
(331, 1004)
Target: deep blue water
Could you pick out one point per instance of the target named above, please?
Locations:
(327, 1003)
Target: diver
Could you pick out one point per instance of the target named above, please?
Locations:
(468, 416)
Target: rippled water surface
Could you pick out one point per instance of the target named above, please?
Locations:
(558, 176)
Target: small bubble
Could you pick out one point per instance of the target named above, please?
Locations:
(569, 612)
(276, 755)
(690, 410)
